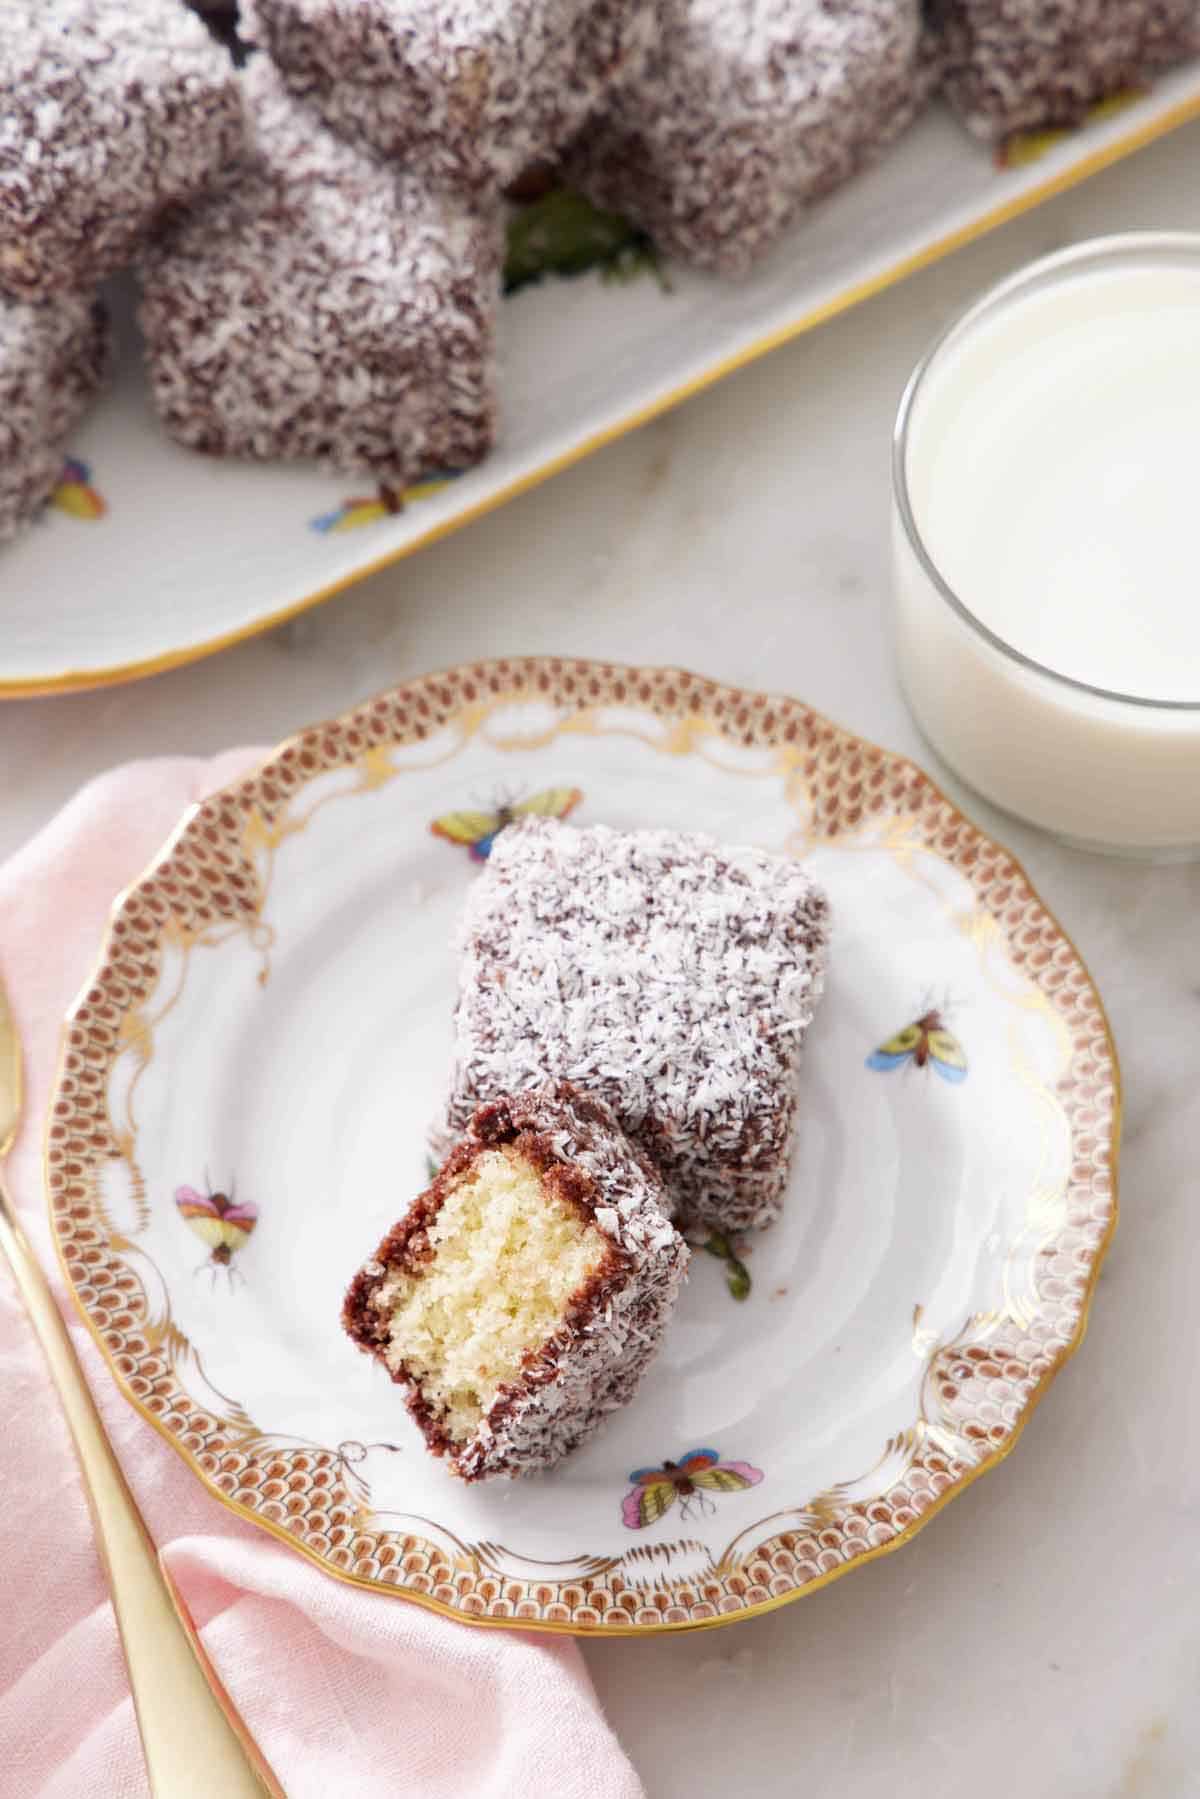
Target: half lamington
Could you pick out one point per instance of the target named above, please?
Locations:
(522, 1296)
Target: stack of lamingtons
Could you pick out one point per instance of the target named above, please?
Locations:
(630, 1019)
(319, 236)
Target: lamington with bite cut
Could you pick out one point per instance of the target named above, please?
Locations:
(521, 1297)
(671, 975)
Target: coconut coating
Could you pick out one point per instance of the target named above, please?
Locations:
(1015, 65)
(747, 111)
(466, 90)
(670, 975)
(325, 307)
(109, 114)
(610, 1329)
(53, 356)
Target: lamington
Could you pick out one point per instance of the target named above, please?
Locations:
(522, 1296)
(1017, 65)
(110, 114)
(325, 307)
(466, 90)
(746, 112)
(53, 357)
(671, 976)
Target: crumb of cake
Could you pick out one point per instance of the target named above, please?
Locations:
(521, 1297)
(465, 90)
(109, 116)
(54, 355)
(502, 1259)
(325, 307)
(671, 976)
(1013, 65)
(744, 113)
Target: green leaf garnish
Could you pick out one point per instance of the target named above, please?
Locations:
(737, 1275)
(561, 233)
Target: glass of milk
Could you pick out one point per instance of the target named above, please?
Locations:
(1046, 522)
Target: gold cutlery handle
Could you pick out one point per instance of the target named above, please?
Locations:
(194, 1747)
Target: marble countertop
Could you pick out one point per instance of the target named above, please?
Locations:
(1042, 1636)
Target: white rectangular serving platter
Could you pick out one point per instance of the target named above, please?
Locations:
(155, 555)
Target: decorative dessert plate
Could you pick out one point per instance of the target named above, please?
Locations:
(247, 1078)
(151, 555)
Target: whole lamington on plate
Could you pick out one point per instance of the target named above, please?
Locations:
(671, 975)
(522, 1296)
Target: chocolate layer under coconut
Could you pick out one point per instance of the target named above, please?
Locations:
(746, 112)
(463, 90)
(326, 307)
(522, 1296)
(671, 975)
(53, 357)
(110, 113)
(1017, 65)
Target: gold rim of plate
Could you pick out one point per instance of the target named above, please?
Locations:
(304, 1496)
(1126, 144)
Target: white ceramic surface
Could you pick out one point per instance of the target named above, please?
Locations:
(191, 554)
(1042, 1636)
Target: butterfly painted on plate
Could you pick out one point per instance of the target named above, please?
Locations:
(690, 1480)
(925, 1043)
(219, 1222)
(366, 509)
(479, 830)
(74, 493)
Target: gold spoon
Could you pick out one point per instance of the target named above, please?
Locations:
(195, 1744)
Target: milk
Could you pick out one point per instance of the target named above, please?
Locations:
(1048, 476)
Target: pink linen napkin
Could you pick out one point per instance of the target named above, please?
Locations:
(346, 1692)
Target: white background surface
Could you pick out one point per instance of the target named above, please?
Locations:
(1043, 1636)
